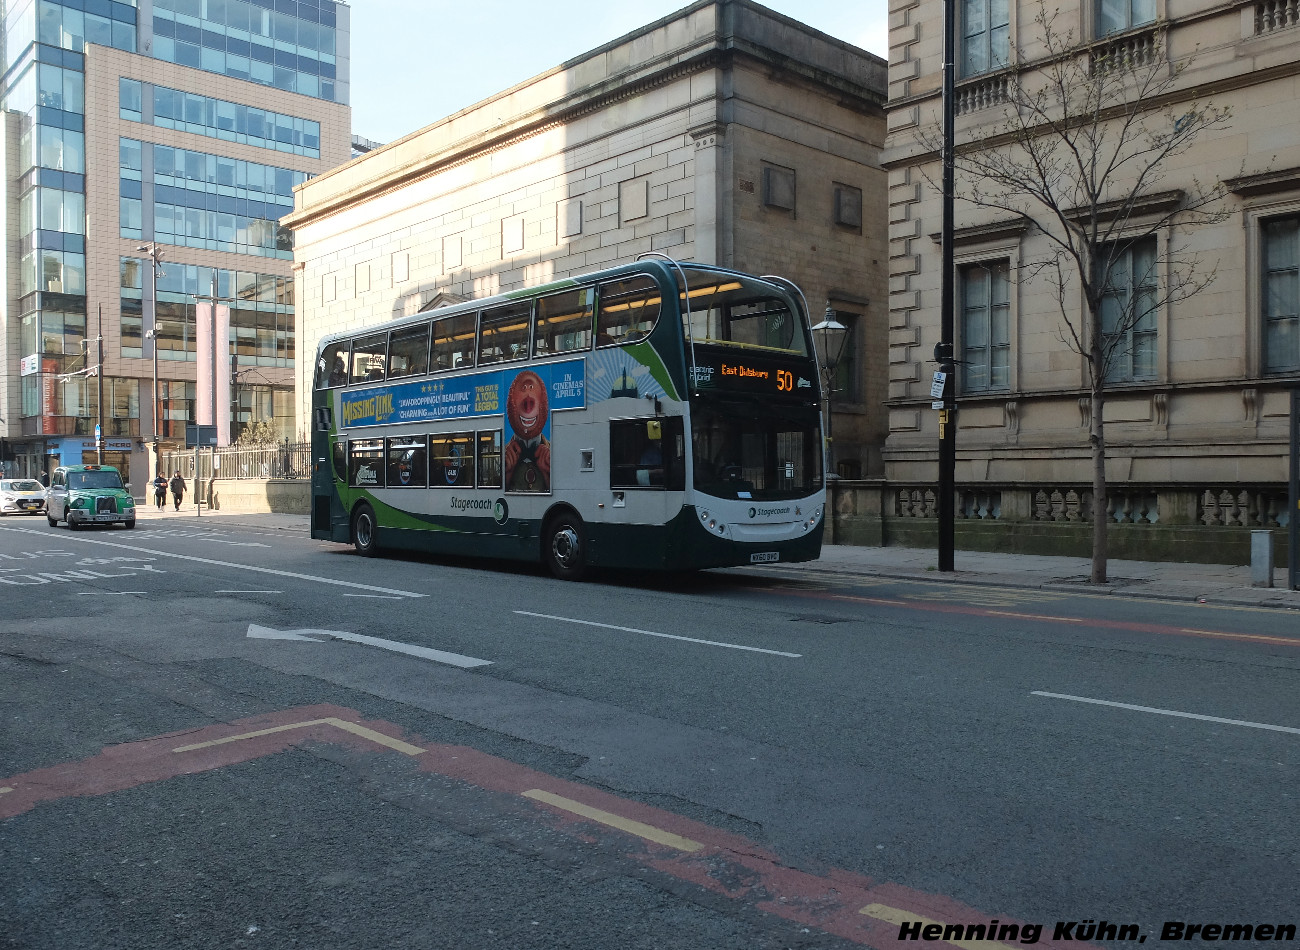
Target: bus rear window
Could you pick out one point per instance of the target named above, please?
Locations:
(332, 368)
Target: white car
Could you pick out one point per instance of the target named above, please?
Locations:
(23, 496)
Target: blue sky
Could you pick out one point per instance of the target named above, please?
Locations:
(415, 61)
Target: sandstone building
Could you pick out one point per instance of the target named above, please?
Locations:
(725, 134)
(1196, 418)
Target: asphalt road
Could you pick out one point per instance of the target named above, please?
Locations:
(220, 736)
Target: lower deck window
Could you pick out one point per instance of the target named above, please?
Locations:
(408, 462)
(451, 460)
(366, 463)
(489, 459)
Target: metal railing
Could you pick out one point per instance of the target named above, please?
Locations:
(283, 460)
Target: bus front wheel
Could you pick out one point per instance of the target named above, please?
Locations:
(363, 531)
(565, 547)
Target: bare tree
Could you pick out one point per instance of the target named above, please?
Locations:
(1080, 155)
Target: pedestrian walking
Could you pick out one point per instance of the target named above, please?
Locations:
(178, 489)
(160, 491)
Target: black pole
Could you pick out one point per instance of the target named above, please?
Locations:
(948, 414)
(99, 372)
(1293, 496)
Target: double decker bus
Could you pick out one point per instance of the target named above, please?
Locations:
(656, 415)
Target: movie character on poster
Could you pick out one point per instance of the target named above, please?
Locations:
(528, 453)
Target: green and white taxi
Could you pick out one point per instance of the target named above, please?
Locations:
(89, 494)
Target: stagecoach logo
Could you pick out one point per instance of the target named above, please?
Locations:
(500, 511)
(470, 504)
(765, 512)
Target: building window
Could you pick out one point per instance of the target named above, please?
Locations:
(1116, 16)
(986, 33)
(1281, 297)
(848, 206)
(844, 379)
(1128, 312)
(778, 187)
(986, 327)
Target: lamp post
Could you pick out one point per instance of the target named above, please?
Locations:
(832, 336)
(156, 271)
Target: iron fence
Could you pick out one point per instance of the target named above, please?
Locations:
(284, 460)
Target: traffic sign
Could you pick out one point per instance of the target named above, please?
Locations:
(200, 435)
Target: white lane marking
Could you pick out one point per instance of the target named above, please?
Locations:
(1169, 712)
(375, 596)
(438, 656)
(666, 636)
(238, 567)
(106, 593)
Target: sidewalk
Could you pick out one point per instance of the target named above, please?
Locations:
(1157, 580)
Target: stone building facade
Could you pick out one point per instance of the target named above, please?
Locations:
(725, 134)
(1197, 428)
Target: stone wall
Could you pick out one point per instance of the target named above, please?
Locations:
(280, 496)
(1206, 524)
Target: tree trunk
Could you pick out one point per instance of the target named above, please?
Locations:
(1100, 518)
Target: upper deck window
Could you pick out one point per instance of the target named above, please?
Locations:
(332, 369)
(628, 310)
(369, 356)
(503, 333)
(453, 342)
(408, 351)
(564, 322)
(732, 310)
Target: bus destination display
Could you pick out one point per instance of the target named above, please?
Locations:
(754, 374)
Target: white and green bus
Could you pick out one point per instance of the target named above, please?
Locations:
(657, 415)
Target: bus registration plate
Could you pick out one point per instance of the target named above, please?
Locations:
(765, 557)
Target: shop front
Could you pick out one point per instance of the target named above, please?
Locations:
(122, 454)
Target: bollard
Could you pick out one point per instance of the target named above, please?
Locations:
(1261, 559)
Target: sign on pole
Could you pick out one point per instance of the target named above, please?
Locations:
(196, 435)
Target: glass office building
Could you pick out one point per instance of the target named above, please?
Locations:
(178, 124)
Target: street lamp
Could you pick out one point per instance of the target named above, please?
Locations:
(831, 335)
(155, 258)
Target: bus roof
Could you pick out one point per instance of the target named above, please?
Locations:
(661, 267)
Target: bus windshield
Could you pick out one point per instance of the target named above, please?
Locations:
(738, 311)
(751, 450)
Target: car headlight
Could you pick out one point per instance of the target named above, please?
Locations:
(128, 503)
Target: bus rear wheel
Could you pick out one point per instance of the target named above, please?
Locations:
(565, 547)
(363, 531)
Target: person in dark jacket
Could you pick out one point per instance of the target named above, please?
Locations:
(178, 489)
(160, 491)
